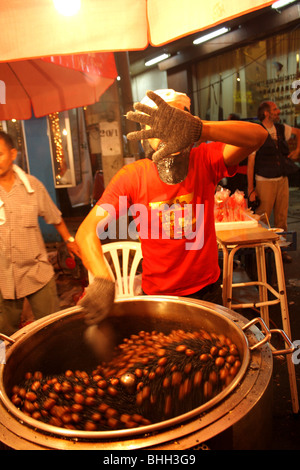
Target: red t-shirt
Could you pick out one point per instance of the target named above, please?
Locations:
(175, 222)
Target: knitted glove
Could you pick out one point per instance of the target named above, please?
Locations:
(176, 128)
(98, 300)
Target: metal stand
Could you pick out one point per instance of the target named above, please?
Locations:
(258, 239)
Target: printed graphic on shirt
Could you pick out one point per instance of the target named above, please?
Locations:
(177, 218)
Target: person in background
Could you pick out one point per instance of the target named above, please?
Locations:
(178, 259)
(25, 271)
(266, 174)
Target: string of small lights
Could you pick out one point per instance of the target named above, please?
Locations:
(57, 141)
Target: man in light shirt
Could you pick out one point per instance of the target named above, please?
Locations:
(25, 270)
(267, 179)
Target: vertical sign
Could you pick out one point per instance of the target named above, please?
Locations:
(110, 138)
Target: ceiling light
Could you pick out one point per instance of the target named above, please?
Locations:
(157, 59)
(281, 3)
(211, 35)
(67, 7)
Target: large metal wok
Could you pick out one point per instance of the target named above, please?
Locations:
(56, 343)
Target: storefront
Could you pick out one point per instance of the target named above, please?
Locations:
(237, 81)
(257, 59)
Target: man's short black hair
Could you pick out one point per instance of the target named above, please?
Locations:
(7, 139)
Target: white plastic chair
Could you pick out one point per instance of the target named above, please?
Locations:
(124, 273)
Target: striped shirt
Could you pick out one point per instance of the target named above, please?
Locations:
(24, 264)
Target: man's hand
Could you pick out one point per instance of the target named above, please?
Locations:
(177, 129)
(252, 196)
(98, 300)
(73, 249)
(294, 155)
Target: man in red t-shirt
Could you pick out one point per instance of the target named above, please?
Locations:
(170, 195)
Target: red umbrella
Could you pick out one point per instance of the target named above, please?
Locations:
(53, 84)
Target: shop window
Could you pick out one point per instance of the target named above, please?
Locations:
(65, 148)
(237, 81)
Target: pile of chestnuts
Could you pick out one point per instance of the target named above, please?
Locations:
(152, 377)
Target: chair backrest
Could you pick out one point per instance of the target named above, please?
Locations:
(125, 257)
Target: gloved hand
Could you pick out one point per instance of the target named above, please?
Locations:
(98, 300)
(176, 128)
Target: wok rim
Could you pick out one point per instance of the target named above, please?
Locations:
(30, 329)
